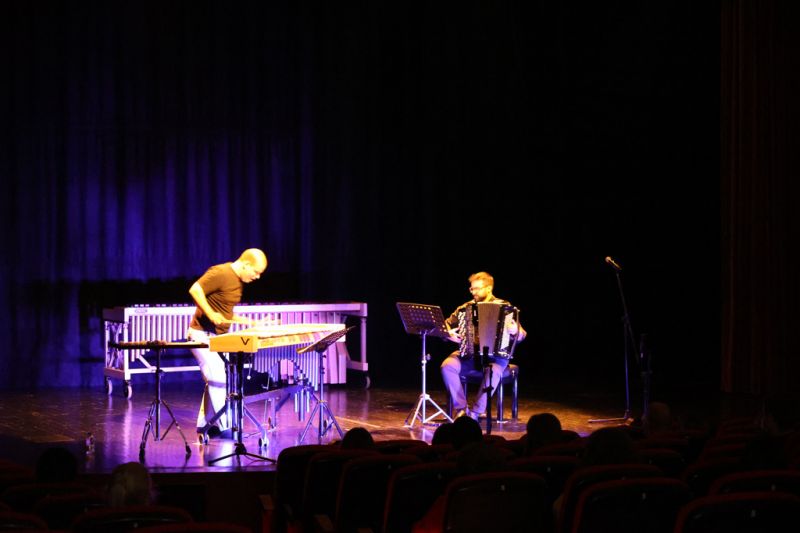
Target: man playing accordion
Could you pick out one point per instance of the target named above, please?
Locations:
(486, 335)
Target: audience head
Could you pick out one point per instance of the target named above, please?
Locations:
(658, 420)
(357, 438)
(466, 430)
(130, 485)
(542, 429)
(56, 465)
(443, 434)
(611, 445)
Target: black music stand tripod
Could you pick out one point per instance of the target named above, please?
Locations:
(155, 406)
(326, 418)
(423, 320)
(236, 404)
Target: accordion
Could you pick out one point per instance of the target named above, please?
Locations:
(483, 327)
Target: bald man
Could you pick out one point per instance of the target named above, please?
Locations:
(215, 294)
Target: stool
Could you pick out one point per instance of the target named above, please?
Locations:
(510, 377)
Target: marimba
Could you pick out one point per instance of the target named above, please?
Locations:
(170, 322)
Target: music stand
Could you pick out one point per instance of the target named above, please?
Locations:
(155, 406)
(423, 320)
(236, 393)
(321, 408)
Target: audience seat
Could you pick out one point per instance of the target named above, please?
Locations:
(412, 490)
(59, 510)
(700, 474)
(290, 475)
(361, 496)
(128, 518)
(321, 485)
(584, 477)
(23, 497)
(632, 505)
(500, 502)
(670, 461)
(742, 512)
(197, 527)
(784, 480)
(15, 521)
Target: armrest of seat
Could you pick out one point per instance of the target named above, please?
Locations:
(268, 514)
(323, 524)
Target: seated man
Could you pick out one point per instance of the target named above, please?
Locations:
(481, 286)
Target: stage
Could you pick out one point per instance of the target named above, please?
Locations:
(228, 489)
(31, 421)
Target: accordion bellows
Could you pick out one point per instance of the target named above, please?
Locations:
(484, 329)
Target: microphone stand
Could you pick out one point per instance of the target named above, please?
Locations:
(629, 344)
(644, 358)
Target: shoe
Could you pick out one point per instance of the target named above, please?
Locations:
(460, 413)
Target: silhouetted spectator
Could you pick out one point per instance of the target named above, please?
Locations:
(611, 445)
(659, 420)
(357, 438)
(542, 429)
(56, 465)
(466, 430)
(130, 484)
(443, 434)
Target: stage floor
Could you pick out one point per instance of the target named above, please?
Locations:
(29, 422)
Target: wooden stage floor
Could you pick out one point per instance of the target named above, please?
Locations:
(31, 421)
(229, 489)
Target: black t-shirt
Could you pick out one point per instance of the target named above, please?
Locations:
(223, 290)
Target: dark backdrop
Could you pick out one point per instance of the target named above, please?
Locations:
(377, 152)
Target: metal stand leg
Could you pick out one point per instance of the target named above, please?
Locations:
(419, 411)
(487, 372)
(155, 412)
(239, 412)
(321, 409)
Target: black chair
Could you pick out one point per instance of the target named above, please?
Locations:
(510, 377)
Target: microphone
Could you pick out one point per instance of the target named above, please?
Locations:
(613, 264)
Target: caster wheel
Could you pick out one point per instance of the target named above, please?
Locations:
(128, 390)
(109, 387)
(202, 439)
(263, 443)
